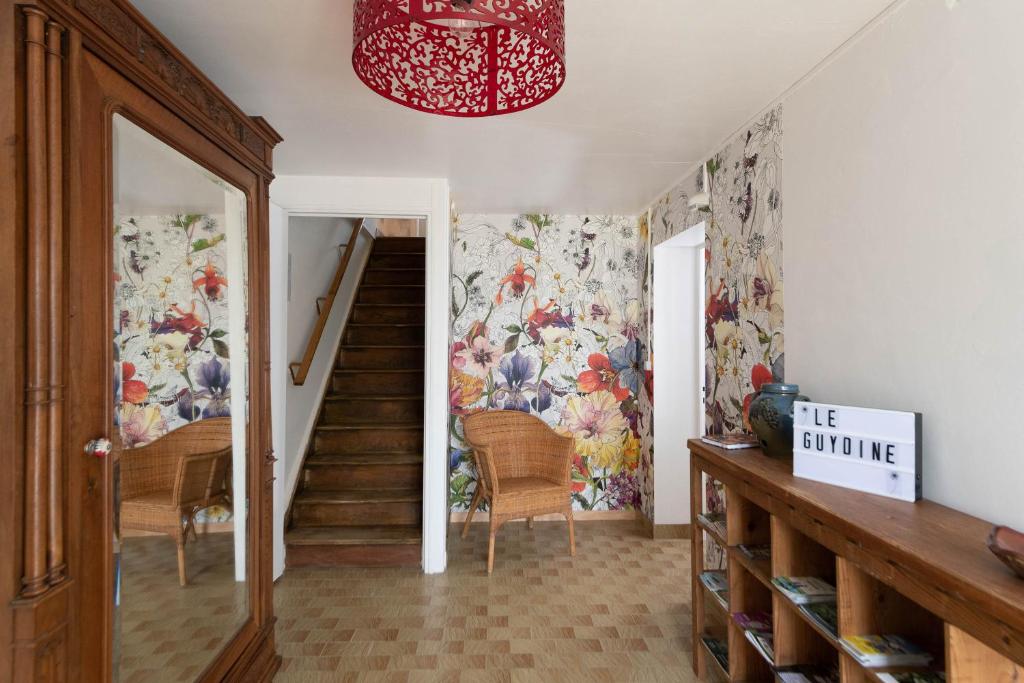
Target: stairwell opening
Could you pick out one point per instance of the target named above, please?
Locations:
(358, 490)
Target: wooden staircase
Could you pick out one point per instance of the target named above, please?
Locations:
(360, 495)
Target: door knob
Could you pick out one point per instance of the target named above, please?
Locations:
(99, 448)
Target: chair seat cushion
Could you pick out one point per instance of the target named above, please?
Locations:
(519, 486)
(528, 496)
(154, 499)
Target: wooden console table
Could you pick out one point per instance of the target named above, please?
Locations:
(920, 570)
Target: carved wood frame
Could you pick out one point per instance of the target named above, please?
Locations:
(42, 44)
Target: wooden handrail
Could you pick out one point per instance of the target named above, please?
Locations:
(299, 376)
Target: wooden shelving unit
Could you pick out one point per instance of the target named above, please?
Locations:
(919, 570)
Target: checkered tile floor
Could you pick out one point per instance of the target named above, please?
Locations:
(618, 611)
(170, 633)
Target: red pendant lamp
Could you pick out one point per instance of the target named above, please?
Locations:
(461, 57)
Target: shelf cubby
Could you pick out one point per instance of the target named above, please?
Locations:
(746, 522)
(971, 661)
(869, 607)
(746, 594)
(794, 554)
(714, 670)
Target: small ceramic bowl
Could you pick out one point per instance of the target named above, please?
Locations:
(1008, 546)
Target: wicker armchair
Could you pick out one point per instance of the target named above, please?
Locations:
(165, 483)
(524, 470)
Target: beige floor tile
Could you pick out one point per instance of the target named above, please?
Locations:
(617, 612)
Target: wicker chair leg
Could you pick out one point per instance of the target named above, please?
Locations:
(490, 543)
(182, 579)
(572, 532)
(477, 494)
(190, 527)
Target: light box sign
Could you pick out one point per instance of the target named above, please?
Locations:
(875, 451)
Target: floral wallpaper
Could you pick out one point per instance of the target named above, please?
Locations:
(744, 339)
(547, 319)
(743, 268)
(551, 314)
(170, 324)
(645, 404)
(744, 321)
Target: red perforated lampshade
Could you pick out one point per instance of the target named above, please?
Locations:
(461, 57)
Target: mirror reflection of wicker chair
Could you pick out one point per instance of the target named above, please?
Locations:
(524, 469)
(164, 484)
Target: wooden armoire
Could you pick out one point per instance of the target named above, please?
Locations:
(68, 70)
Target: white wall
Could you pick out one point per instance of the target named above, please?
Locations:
(415, 198)
(314, 249)
(679, 369)
(905, 239)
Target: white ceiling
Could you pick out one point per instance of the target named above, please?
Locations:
(652, 86)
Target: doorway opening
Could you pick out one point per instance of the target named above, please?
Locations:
(678, 341)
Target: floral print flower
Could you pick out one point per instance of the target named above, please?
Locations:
(602, 310)
(631, 319)
(140, 425)
(766, 287)
(455, 355)
(185, 405)
(623, 491)
(132, 390)
(628, 366)
(174, 346)
(211, 282)
(580, 474)
(517, 370)
(596, 424)
(464, 391)
(477, 329)
(480, 356)
(214, 377)
(759, 376)
(177, 320)
(602, 376)
(517, 281)
(547, 323)
(631, 450)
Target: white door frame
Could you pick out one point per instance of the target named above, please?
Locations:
(678, 343)
(399, 198)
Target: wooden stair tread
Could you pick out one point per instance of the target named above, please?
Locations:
(358, 497)
(370, 425)
(383, 458)
(339, 396)
(382, 346)
(352, 371)
(354, 535)
(390, 286)
(396, 269)
(375, 305)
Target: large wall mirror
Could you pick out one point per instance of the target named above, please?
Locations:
(181, 404)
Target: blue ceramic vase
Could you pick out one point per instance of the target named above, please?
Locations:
(771, 418)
